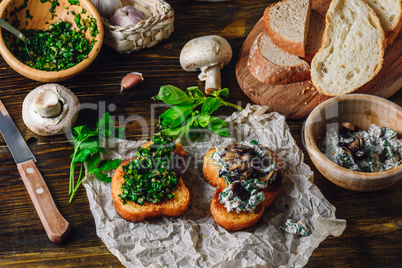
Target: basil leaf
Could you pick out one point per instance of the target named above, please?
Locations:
(223, 92)
(174, 116)
(174, 132)
(174, 96)
(195, 92)
(210, 105)
(218, 126)
(203, 120)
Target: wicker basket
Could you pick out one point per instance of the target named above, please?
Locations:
(157, 26)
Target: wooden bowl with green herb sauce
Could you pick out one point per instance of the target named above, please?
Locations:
(348, 149)
(64, 37)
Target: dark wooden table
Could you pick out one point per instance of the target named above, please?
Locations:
(373, 236)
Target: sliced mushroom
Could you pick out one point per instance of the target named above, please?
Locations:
(50, 109)
(354, 146)
(239, 191)
(235, 164)
(247, 157)
(349, 126)
(229, 155)
(246, 174)
(266, 177)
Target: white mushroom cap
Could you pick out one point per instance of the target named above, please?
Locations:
(208, 54)
(50, 109)
(205, 51)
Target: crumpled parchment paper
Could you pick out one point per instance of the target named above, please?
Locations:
(195, 240)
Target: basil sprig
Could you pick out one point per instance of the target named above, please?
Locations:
(183, 117)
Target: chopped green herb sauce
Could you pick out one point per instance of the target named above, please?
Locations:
(56, 49)
(74, 2)
(151, 177)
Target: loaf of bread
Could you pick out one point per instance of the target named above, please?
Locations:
(271, 65)
(287, 22)
(352, 48)
(234, 220)
(390, 14)
(135, 212)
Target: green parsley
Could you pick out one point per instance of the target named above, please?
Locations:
(88, 146)
(56, 49)
(151, 177)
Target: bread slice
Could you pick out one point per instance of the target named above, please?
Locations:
(390, 14)
(287, 22)
(235, 221)
(271, 65)
(352, 49)
(134, 212)
(315, 33)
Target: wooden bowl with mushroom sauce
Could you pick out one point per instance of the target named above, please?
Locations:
(38, 16)
(342, 129)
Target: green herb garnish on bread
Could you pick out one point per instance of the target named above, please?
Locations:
(150, 184)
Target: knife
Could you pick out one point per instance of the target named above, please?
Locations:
(57, 228)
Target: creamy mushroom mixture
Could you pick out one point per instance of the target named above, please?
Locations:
(374, 150)
(248, 169)
(293, 227)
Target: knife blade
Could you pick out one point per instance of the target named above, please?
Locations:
(56, 226)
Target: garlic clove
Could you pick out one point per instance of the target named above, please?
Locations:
(131, 80)
(47, 104)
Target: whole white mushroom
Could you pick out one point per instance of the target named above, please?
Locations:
(208, 54)
(50, 109)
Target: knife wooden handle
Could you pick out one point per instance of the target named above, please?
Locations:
(57, 228)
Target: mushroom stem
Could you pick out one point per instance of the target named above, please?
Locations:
(212, 77)
(47, 104)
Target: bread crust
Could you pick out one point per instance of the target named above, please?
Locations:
(292, 47)
(269, 73)
(325, 41)
(234, 221)
(392, 33)
(134, 212)
(311, 50)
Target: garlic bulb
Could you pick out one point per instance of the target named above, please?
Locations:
(127, 15)
(107, 8)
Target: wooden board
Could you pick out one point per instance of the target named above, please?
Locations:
(297, 100)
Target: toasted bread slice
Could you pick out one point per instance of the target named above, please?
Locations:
(233, 220)
(134, 212)
(287, 23)
(211, 170)
(352, 49)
